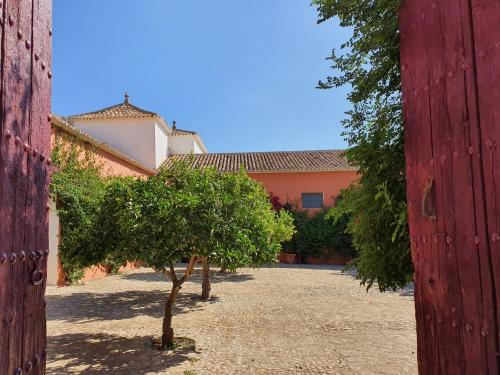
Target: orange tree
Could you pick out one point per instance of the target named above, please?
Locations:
(185, 213)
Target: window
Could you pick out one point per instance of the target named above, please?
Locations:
(312, 200)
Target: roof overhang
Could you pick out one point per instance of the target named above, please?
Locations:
(61, 123)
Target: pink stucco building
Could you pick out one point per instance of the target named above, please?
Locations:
(130, 141)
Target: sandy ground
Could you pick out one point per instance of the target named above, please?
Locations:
(279, 320)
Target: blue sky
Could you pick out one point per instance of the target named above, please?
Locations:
(241, 73)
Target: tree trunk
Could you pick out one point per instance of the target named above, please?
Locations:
(223, 269)
(167, 337)
(205, 291)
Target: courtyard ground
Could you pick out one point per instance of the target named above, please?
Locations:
(276, 320)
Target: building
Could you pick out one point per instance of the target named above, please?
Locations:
(130, 141)
(306, 180)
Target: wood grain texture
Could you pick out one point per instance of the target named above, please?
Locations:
(450, 64)
(24, 176)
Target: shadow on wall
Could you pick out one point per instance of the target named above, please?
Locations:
(117, 306)
(100, 353)
(196, 277)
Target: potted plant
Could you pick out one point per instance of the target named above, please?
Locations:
(291, 258)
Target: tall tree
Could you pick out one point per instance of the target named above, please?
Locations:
(369, 64)
(184, 213)
(236, 225)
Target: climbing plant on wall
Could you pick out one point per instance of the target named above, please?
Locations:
(77, 187)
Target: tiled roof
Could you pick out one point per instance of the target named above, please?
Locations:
(64, 125)
(182, 132)
(122, 110)
(278, 161)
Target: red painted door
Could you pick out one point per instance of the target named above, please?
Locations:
(24, 173)
(450, 63)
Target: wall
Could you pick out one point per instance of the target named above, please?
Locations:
(161, 145)
(53, 258)
(183, 144)
(134, 137)
(197, 148)
(289, 186)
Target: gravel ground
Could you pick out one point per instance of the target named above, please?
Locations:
(277, 320)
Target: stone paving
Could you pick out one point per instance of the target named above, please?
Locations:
(276, 320)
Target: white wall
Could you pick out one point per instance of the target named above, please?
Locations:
(183, 144)
(161, 144)
(52, 263)
(134, 137)
(197, 148)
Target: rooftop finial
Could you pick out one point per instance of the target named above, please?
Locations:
(127, 101)
(174, 125)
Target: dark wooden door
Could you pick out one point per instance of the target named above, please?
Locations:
(450, 61)
(24, 173)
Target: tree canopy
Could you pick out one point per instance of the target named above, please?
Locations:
(369, 64)
(184, 213)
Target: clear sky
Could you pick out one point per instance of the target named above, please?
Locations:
(241, 73)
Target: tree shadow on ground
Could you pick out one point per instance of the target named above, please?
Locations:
(78, 307)
(100, 353)
(407, 291)
(196, 277)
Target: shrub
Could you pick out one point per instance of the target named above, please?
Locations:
(319, 235)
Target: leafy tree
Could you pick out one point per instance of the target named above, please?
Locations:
(77, 188)
(187, 213)
(149, 221)
(369, 65)
(235, 224)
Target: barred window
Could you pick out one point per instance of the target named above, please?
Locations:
(312, 200)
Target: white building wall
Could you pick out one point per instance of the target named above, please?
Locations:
(54, 232)
(183, 144)
(134, 137)
(161, 145)
(197, 148)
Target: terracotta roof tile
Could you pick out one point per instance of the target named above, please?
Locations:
(277, 161)
(122, 110)
(182, 132)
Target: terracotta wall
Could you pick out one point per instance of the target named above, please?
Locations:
(290, 186)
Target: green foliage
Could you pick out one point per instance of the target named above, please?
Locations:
(77, 188)
(369, 64)
(318, 235)
(184, 212)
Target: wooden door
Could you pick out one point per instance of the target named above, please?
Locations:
(24, 174)
(450, 63)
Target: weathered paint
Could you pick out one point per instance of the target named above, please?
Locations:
(450, 60)
(24, 174)
(289, 186)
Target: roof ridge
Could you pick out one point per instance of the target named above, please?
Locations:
(277, 152)
(117, 110)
